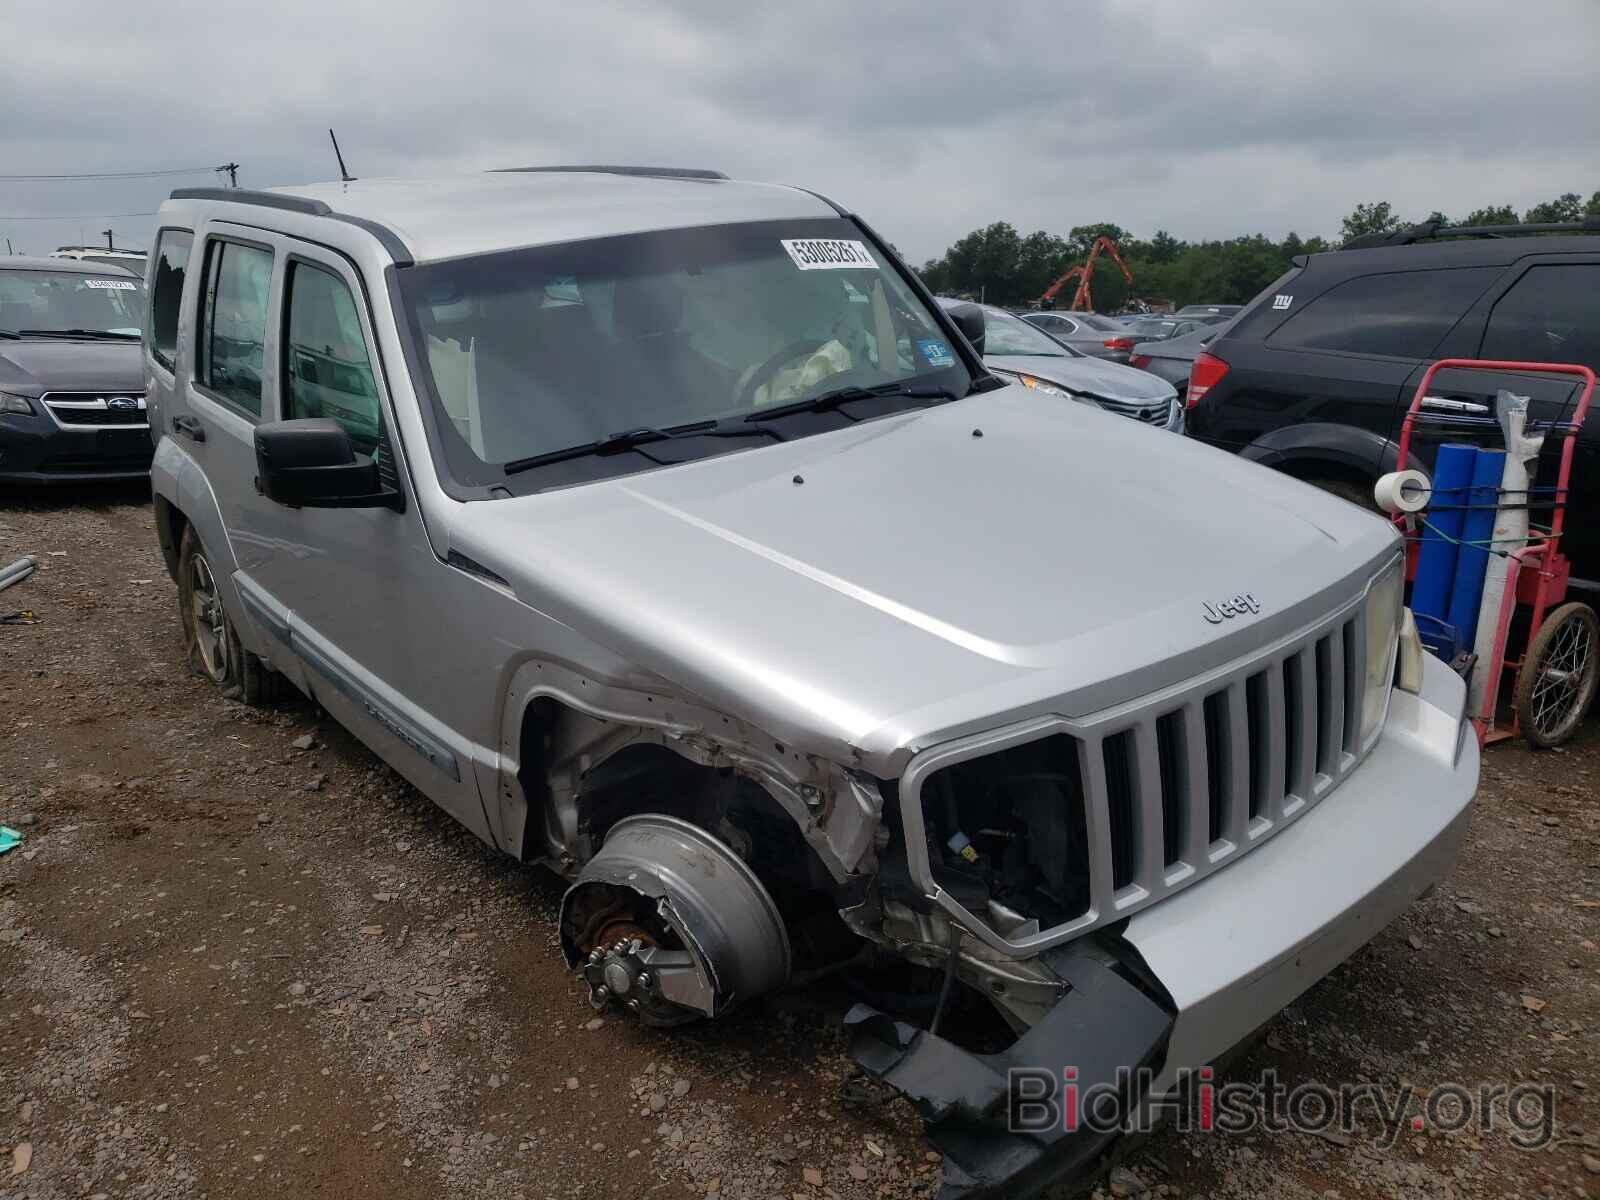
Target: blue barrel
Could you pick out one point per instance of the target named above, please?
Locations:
(1472, 560)
(1436, 557)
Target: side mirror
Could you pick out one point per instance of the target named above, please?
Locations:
(310, 463)
(968, 318)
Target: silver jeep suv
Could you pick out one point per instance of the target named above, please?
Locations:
(664, 530)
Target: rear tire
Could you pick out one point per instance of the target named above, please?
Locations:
(211, 645)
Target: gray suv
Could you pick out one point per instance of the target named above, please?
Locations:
(665, 531)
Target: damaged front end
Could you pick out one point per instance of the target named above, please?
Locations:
(706, 872)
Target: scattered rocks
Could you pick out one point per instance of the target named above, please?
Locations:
(305, 741)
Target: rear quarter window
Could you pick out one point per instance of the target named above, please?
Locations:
(1400, 314)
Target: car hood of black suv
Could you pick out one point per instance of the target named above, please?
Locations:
(33, 367)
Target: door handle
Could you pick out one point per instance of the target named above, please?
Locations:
(1447, 404)
(189, 427)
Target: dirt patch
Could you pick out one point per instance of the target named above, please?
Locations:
(219, 979)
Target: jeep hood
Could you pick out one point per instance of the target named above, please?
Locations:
(31, 368)
(867, 592)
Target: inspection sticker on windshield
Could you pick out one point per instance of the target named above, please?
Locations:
(936, 352)
(827, 254)
(113, 285)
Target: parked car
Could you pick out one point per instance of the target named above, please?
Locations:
(72, 404)
(1020, 350)
(1088, 333)
(1157, 329)
(1317, 374)
(1209, 310)
(1171, 358)
(128, 260)
(665, 531)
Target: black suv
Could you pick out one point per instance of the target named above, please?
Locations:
(1316, 374)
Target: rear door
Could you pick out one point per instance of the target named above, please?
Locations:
(1341, 357)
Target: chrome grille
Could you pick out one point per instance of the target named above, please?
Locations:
(98, 410)
(1155, 412)
(1179, 785)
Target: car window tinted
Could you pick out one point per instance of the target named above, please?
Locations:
(1400, 313)
(1551, 314)
(326, 368)
(166, 293)
(234, 323)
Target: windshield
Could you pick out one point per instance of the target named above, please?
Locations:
(1155, 331)
(51, 301)
(1005, 334)
(529, 352)
(1103, 324)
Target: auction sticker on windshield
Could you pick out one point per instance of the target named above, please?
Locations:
(829, 254)
(115, 285)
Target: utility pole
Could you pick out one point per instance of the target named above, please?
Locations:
(9, 250)
(110, 245)
(232, 168)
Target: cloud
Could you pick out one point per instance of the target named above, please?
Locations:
(928, 118)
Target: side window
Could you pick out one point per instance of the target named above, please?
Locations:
(233, 323)
(1551, 314)
(166, 293)
(1403, 313)
(326, 369)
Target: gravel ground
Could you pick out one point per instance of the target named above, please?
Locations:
(240, 957)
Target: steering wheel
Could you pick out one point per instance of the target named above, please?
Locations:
(769, 368)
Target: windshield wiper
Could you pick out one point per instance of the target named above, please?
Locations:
(10, 333)
(632, 439)
(82, 333)
(833, 399)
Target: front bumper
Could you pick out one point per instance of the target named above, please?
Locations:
(35, 450)
(1236, 948)
(1229, 952)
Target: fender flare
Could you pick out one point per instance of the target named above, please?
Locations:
(1346, 447)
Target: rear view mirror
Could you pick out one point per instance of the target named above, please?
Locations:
(968, 318)
(310, 463)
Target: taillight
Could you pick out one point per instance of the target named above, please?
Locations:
(1139, 360)
(1119, 343)
(1205, 373)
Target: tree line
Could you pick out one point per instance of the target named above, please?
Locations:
(1002, 266)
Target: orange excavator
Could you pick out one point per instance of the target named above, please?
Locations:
(1083, 273)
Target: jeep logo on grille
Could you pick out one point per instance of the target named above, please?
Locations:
(122, 404)
(1226, 610)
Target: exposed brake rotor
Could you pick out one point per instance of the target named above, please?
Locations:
(667, 922)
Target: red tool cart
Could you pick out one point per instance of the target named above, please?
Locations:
(1553, 679)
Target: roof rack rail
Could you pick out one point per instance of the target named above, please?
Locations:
(1431, 230)
(646, 172)
(391, 241)
(301, 204)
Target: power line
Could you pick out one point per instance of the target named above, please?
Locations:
(80, 217)
(113, 174)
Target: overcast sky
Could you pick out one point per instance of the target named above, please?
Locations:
(930, 118)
